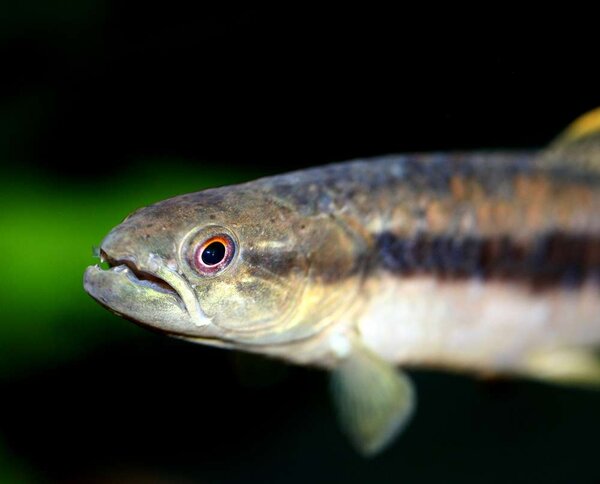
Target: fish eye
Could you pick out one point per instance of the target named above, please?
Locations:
(214, 254)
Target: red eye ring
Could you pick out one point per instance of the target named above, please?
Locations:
(214, 254)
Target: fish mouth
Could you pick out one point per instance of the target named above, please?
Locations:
(138, 276)
(153, 295)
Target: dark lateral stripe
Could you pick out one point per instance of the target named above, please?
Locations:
(551, 259)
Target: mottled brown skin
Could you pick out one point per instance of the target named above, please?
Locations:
(310, 241)
(404, 254)
(455, 195)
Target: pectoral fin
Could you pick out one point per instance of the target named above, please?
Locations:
(565, 366)
(374, 400)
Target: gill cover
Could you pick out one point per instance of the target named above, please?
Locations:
(287, 277)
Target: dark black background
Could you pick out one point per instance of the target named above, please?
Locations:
(122, 80)
(108, 83)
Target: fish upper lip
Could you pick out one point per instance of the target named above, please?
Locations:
(159, 278)
(139, 276)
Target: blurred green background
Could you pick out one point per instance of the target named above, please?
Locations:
(108, 106)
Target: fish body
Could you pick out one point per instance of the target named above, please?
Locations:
(482, 262)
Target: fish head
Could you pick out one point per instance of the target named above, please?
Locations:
(232, 266)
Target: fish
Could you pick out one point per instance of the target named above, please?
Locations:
(485, 263)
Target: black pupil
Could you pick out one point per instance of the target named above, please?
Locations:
(213, 254)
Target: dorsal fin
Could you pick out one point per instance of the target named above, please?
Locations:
(578, 146)
(583, 127)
